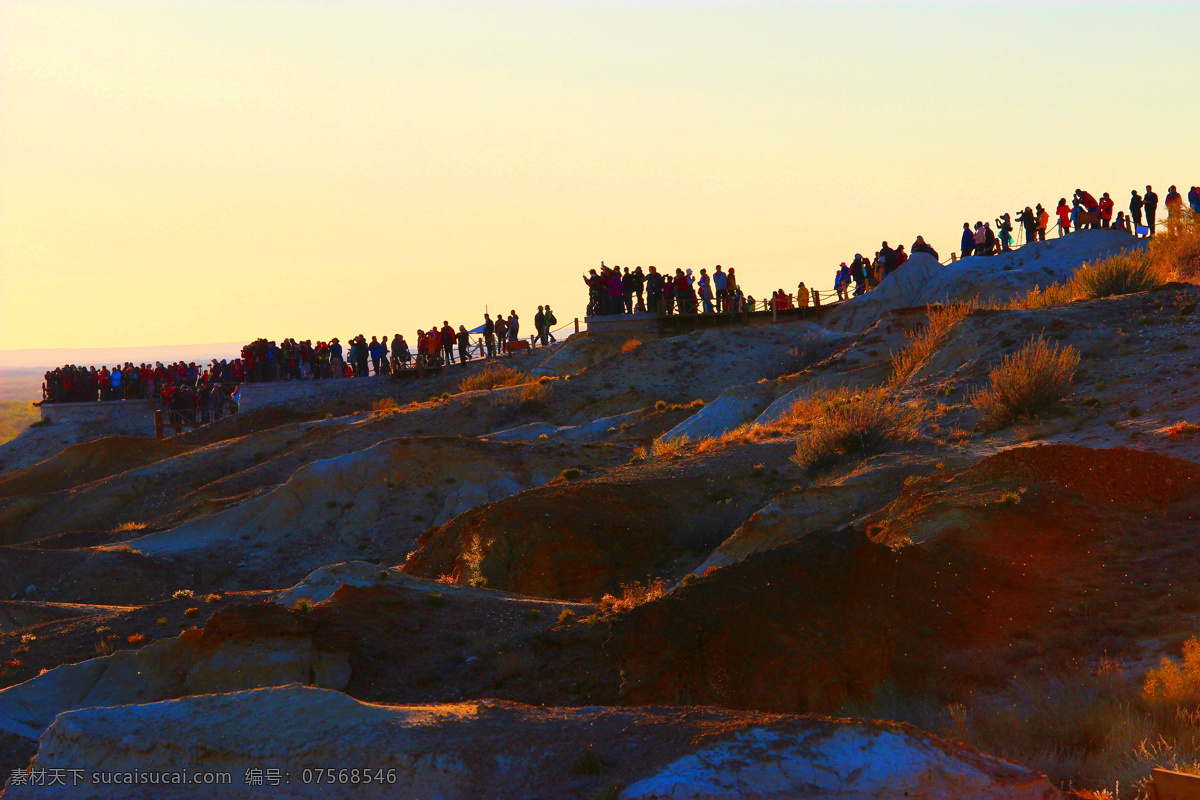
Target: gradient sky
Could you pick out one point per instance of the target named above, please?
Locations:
(182, 172)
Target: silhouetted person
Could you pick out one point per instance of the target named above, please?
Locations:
(1029, 223)
(1135, 207)
(464, 344)
(968, 240)
(489, 335)
(448, 341)
(1064, 217)
(1174, 204)
(1150, 206)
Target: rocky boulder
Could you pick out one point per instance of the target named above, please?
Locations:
(241, 647)
(295, 741)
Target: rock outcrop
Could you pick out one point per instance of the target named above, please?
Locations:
(239, 648)
(295, 741)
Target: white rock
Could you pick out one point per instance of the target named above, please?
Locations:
(852, 761)
(505, 751)
(733, 408)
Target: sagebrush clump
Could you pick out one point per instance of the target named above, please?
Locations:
(1126, 272)
(1027, 383)
(854, 423)
(492, 377)
(922, 343)
(633, 595)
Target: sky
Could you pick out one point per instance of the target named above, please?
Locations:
(188, 172)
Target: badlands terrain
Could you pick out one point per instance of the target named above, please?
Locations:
(626, 568)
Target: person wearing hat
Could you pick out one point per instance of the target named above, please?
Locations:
(858, 274)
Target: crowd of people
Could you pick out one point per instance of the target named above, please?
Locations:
(189, 386)
(179, 386)
(613, 290)
(439, 345)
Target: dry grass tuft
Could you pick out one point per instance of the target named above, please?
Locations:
(129, 527)
(797, 418)
(384, 404)
(533, 395)
(631, 344)
(1175, 683)
(472, 563)
(1056, 294)
(670, 448)
(633, 595)
(1180, 430)
(925, 341)
(1179, 250)
(1126, 272)
(1027, 382)
(859, 423)
(493, 376)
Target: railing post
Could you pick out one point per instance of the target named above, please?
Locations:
(158, 423)
(577, 324)
(816, 296)
(775, 309)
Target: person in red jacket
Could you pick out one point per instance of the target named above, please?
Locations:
(1089, 204)
(1064, 218)
(1106, 210)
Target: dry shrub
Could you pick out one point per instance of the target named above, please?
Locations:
(384, 404)
(1097, 727)
(1090, 728)
(493, 376)
(472, 563)
(1180, 430)
(1179, 250)
(1175, 684)
(129, 527)
(633, 595)
(671, 447)
(860, 423)
(1027, 382)
(797, 417)
(925, 341)
(533, 395)
(1056, 294)
(662, 448)
(1126, 272)
(631, 344)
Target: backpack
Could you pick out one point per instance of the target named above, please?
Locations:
(551, 320)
